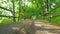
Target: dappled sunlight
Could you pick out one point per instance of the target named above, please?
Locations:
(29, 16)
(15, 28)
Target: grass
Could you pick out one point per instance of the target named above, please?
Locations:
(54, 21)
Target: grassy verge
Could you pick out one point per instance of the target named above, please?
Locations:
(50, 22)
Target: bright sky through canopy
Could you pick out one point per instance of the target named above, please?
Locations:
(26, 2)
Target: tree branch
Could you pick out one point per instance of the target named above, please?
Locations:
(52, 10)
(56, 15)
(5, 9)
(5, 16)
(53, 16)
(8, 16)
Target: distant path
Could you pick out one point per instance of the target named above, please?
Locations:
(41, 28)
(44, 28)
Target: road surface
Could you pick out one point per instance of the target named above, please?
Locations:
(40, 28)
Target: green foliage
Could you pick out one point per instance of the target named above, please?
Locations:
(5, 21)
(30, 9)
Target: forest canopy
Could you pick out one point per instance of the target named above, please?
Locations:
(19, 10)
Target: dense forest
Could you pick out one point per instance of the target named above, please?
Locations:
(20, 10)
